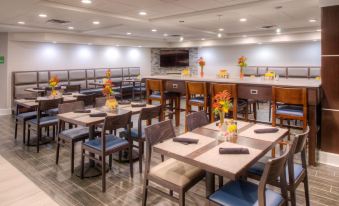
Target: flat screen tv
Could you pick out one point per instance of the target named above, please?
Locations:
(174, 58)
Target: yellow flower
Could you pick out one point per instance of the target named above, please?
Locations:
(225, 110)
(232, 128)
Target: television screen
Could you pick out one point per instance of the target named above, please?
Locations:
(174, 58)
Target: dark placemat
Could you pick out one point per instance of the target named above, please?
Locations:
(138, 104)
(99, 114)
(233, 150)
(185, 140)
(82, 111)
(268, 130)
(124, 102)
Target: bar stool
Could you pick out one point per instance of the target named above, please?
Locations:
(239, 105)
(289, 104)
(197, 95)
(155, 92)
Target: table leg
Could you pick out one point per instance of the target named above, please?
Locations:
(210, 183)
(312, 143)
(133, 90)
(177, 111)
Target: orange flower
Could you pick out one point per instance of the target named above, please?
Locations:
(222, 102)
(201, 62)
(242, 61)
(54, 81)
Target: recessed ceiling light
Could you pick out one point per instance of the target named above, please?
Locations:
(54, 42)
(21, 22)
(43, 15)
(312, 20)
(181, 38)
(219, 35)
(244, 36)
(243, 19)
(318, 30)
(128, 33)
(86, 1)
(202, 39)
(142, 13)
(139, 46)
(315, 39)
(221, 29)
(70, 28)
(96, 22)
(165, 34)
(117, 45)
(154, 30)
(278, 30)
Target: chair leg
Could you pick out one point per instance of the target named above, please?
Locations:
(57, 151)
(82, 163)
(16, 129)
(28, 134)
(221, 181)
(293, 197)
(130, 157)
(72, 158)
(162, 158)
(103, 171)
(145, 191)
(140, 156)
(38, 139)
(24, 132)
(182, 198)
(307, 196)
(54, 132)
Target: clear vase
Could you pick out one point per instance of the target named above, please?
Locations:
(202, 72)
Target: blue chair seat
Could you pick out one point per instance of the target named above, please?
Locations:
(49, 120)
(291, 110)
(26, 116)
(198, 100)
(167, 95)
(112, 142)
(258, 169)
(243, 193)
(75, 134)
(242, 103)
(54, 111)
(134, 133)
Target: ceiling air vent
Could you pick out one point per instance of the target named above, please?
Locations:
(175, 35)
(268, 26)
(57, 21)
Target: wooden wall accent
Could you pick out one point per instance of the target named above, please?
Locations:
(330, 79)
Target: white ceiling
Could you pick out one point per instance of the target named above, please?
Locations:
(201, 17)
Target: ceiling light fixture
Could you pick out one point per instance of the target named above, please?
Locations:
(117, 45)
(278, 30)
(154, 30)
(70, 28)
(86, 1)
(221, 29)
(54, 42)
(219, 35)
(139, 46)
(165, 35)
(21, 22)
(96, 22)
(43, 15)
(128, 33)
(142, 13)
(312, 20)
(243, 20)
(318, 30)
(202, 39)
(181, 38)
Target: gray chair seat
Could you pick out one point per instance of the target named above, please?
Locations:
(75, 134)
(49, 120)
(199, 100)
(26, 116)
(245, 194)
(112, 142)
(291, 110)
(54, 111)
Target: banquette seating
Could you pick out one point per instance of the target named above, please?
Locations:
(84, 77)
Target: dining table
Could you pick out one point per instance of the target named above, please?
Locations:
(205, 154)
(85, 120)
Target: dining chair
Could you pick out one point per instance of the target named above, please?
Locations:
(197, 95)
(73, 88)
(88, 99)
(137, 134)
(71, 136)
(243, 192)
(289, 104)
(296, 173)
(43, 121)
(174, 175)
(109, 144)
(100, 101)
(239, 105)
(196, 120)
(23, 117)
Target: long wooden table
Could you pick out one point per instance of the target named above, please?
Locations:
(205, 155)
(259, 89)
(83, 119)
(33, 103)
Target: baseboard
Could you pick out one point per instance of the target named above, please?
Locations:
(5, 112)
(329, 158)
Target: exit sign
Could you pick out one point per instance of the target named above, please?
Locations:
(2, 59)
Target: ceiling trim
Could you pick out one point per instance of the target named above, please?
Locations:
(326, 3)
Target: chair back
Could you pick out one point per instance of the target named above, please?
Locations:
(148, 114)
(295, 96)
(232, 89)
(154, 134)
(154, 85)
(88, 99)
(70, 107)
(274, 169)
(100, 101)
(73, 88)
(117, 121)
(196, 88)
(301, 143)
(196, 119)
(48, 104)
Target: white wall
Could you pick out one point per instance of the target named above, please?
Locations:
(282, 54)
(47, 56)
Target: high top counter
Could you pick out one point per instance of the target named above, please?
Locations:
(257, 88)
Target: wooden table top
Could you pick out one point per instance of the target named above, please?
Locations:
(35, 90)
(83, 119)
(29, 103)
(205, 154)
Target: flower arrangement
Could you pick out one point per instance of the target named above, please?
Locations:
(107, 91)
(222, 104)
(53, 83)
(108, 74)
(242, 63)
(269, 75)
(223, 73)
(201, 63)
(186, 72)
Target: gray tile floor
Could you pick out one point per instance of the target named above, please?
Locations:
(65, 189)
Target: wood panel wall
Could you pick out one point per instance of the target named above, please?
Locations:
(330, 79)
